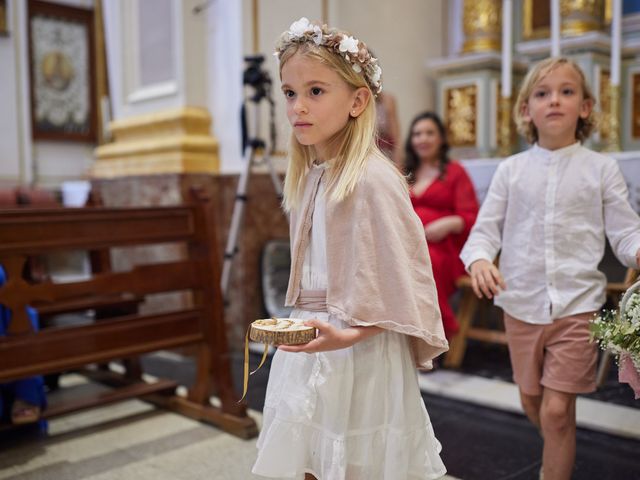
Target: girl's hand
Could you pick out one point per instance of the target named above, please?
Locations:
(486, 279)
(331, 338)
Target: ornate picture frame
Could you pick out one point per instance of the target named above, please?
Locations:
(62, 72)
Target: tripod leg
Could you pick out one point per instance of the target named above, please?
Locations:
(236, 218)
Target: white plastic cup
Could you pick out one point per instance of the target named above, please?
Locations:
(75, 193)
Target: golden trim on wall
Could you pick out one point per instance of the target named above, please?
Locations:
(461, 115)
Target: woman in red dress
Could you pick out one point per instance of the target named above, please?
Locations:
(444, 198)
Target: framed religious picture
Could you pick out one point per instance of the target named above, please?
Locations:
(4, 19)
(61, 63)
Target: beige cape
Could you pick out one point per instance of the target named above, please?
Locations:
(378, 266)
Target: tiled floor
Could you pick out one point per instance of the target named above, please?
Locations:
(133, 440)
(129, 440)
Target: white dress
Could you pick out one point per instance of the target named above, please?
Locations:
(349, 414)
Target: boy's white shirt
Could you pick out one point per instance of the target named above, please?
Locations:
(547, 213)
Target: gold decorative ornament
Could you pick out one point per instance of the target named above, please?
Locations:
(482, 22)
(461, 115)
(581, 16)
(505, 131)
(605, 123)
(613, 145)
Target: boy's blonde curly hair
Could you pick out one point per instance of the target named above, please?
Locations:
(526, 128)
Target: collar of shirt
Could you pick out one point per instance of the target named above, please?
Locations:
(553, 154)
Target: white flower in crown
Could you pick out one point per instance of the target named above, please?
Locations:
(300, 27)
(375, 76)
(317, 35)
(349, 44)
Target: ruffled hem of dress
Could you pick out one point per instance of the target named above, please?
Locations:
(286, 450)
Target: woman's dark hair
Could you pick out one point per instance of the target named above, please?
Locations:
(412, 161)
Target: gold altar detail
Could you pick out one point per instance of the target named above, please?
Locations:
(613, 143)
(605, 123)
(578, 17)
(460, 114)
(581, 16)
(506, 133)
(174, 141)
(482, 21)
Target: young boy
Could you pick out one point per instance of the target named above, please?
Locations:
(547, 212)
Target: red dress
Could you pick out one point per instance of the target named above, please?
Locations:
(451, 195)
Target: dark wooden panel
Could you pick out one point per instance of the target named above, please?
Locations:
(42, 230)
(104, 398)
(63, 348)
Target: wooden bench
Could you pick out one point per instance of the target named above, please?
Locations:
(29, 232)
(470, 303)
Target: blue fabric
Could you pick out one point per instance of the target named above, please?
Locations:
(30, 390)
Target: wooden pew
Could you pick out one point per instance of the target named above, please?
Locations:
(28, 232)
(469, 305)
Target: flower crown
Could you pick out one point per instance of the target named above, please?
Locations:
(350, 49)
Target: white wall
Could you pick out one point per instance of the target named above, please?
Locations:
(11, 128)
(224, 78)
(21, 159)
(404, 34)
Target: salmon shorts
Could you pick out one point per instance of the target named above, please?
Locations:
(556, 356)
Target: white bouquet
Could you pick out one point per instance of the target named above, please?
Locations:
(619, 332)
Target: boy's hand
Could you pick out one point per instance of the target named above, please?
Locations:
(486, 279)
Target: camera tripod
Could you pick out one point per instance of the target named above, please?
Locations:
(259, 80)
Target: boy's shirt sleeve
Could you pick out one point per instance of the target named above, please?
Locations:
(485, 238)
(621, 223)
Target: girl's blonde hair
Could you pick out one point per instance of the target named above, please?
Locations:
(354, 144)
(525, 127)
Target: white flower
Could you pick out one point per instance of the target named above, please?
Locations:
(317, 35)
(349, 44)
(375, 76)
(300, 27)
(357, 68)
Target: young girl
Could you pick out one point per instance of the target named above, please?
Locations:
(547, 211)
(347, 404)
